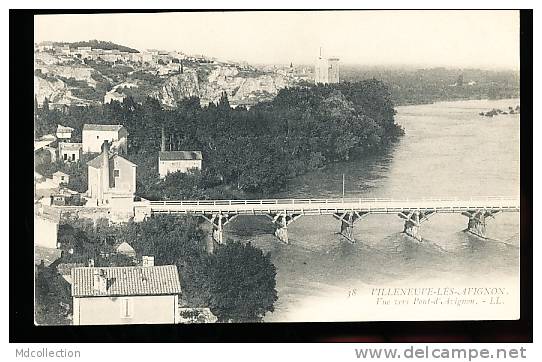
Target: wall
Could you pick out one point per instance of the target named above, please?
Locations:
(321, 71)
(108, 310)
(94, 182)
(45, 232)
(71, 155)
(72, 213)
(333, 71)
(165, 167)
(126, 181)
(93, 140)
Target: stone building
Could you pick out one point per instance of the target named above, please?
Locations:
(326, 70)
(94, 136)
(111, 180)
(125, 295)
(70, 152)
(178, 161)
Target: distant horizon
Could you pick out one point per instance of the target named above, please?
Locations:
(487, 40)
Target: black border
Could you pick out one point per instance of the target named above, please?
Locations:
(21, 326)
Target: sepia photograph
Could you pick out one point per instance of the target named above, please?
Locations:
(276, 166)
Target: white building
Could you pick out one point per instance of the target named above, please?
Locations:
(125, 295)
(94, 136)
(178, 161)
(84, 51)
(326, 70)
(70, 152)
(114, 96)
(112, 182)
(63, 133)
(60, 177)
(46, 227)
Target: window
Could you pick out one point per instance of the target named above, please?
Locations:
(65, 157)
(62, 178)
(116, 173)
(126, 308)
(73, 156)
(97, 137)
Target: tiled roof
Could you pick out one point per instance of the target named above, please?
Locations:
(61, 128)
(180, 155)
(127, 281)
(97, 162)
(60, 173)
(71, 146)
(102, 127)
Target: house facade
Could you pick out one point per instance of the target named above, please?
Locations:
(94, 136)
(178, 161)
(114, 96)
(125, 295)
(111, 179)
(60, 177)
(63, 133)
(70, 152)
(46, 222)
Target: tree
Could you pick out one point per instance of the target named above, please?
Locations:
(167, 238)
(52, 297)
(45, 105)
(243, 283)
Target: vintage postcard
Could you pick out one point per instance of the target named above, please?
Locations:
(215, 167)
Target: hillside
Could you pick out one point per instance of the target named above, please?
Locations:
(112, 72)
(168, 78)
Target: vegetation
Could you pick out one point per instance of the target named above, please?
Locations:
(52, 297)
(419, 86)
(237, 282)
(249, 151)
(78, 171)
(242, 287)
(100, 44)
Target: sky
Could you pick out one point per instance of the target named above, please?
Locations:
(478, 39)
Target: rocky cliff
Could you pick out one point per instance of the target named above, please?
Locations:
(242, 88)
(69, 83)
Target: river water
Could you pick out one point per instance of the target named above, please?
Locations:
(448, 150)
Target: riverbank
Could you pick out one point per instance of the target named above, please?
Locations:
(447, 151)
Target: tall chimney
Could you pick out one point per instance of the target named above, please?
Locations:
(105, 169)
(100, 280)
(163, 145)
(148, 261)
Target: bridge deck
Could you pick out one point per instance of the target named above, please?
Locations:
(330, 206)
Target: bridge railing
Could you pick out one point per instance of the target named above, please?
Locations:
(326, 201)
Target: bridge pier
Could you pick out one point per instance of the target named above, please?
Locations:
(347, 220)
(413, 221)
(281, 222)
(218, 221)
(477, 221)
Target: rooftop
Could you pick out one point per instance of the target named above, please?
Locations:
(179, 155)
(61, 128)
(127, 281)
(102, 127)
(72, 146)
(60, 173)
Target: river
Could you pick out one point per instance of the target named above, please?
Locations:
(448, 150)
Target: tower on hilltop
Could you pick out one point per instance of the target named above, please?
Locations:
(326, 70)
